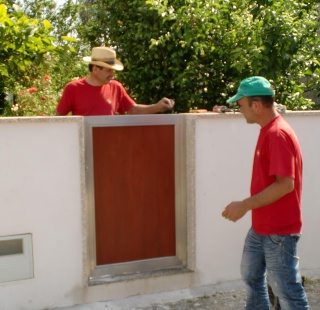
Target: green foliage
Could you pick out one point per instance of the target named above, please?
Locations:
(198, 51)
(23, 44)
(195, 51)
(23, 41)
(40, 100)
(66, 63)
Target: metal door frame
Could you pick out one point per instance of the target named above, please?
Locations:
(113, 272)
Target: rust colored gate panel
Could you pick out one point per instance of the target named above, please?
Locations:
(134, 193)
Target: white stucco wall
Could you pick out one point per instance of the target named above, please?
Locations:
(41, 192)
(224, 149)
(308, 130)
(224, 154)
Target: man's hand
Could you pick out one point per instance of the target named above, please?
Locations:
(276, 190)
(235, 211)
(165, 104)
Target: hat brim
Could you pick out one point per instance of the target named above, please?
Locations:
(235, 98)
(116, 66)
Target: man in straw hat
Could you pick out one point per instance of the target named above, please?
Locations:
(275, 201)
(100, 94)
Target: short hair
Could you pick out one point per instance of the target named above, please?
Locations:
(267, 101)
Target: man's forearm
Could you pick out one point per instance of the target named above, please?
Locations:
(163, 105)
(281, 187)
(144, 109)
(237, 209)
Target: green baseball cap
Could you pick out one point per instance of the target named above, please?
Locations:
(253, 86)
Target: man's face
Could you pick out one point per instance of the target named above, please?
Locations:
(104, 75)
(247, 109)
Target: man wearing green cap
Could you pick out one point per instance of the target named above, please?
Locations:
(275, 201)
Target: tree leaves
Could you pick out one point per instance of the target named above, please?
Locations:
(194, 51)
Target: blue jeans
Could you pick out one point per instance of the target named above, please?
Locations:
(277, 255)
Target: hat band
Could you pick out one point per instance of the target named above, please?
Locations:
(109, 62)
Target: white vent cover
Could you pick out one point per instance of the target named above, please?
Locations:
(16, 259)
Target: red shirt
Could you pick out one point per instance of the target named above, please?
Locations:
(277, 154)
(81, 98)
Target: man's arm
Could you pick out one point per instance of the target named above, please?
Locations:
(237, 209)
(161, 106)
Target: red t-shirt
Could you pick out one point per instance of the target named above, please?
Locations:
(277, 154)
(81, 98)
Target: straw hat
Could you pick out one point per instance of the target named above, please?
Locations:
(104, 57)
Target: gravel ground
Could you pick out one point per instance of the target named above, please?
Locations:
(232, 300)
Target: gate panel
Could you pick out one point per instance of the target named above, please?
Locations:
(134, 192)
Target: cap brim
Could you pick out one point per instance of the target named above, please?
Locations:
(116, 66)
(235, 98)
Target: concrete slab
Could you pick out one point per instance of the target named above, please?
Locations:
(145, 301)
